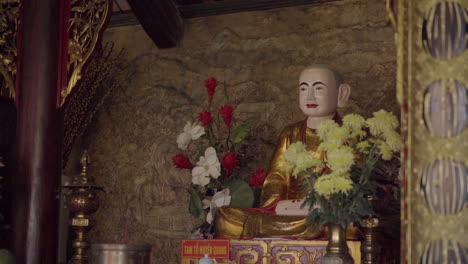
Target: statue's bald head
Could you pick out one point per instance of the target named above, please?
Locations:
(321, 91)
(336, 74)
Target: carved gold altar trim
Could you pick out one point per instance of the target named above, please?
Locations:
(432, 83)
(9, 14)
(87, 20)
(272, 251)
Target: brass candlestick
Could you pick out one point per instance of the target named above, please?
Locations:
(82, 200)
(370, 248)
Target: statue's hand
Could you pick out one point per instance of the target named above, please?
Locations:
(291, 207)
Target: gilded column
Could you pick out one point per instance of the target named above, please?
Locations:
(432, 90)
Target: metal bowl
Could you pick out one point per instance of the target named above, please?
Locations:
(120, 254)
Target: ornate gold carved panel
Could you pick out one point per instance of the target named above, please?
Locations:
(87, 20)
(9, 13)
(266, 251)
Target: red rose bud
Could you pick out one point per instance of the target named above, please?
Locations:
(258, 177)
(226, 113)
(182, 162)
(210, 85)
(205, 118)
(229, 161)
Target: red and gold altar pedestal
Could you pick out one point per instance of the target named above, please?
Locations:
(264, 251)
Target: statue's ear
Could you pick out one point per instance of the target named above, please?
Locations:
(343, 94)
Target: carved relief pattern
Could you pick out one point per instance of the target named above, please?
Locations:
(265, 251)
(432, 80)
(9, 16)
(87, 19)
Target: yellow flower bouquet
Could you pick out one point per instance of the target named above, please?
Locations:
(337, 187)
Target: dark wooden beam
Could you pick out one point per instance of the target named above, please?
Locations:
(123, 19)
(234, 6)
(160, 19)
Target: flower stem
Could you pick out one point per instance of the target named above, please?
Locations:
(228, 138)
(220, 184)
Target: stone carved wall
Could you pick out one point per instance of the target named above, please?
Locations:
(258, 55)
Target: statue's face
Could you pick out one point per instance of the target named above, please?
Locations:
(318, 92)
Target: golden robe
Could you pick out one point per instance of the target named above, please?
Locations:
(234, 222)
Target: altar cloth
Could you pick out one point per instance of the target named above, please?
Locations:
(277, 251)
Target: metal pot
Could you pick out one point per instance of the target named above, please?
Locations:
(120, 254)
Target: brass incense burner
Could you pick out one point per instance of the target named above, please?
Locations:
(81, 199)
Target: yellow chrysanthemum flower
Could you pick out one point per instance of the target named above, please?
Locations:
(390, 119)
(382, 122)
(385, 150)
(333, 183)
(356, 122)
(393, 139)
(358, 133)
(293, 150)
(363, 146)
(341, 159)
(305, 161)
(328, 146)
(299, 159)
(325, 127)
(338, 135)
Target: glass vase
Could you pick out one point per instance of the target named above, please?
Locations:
(337, 248)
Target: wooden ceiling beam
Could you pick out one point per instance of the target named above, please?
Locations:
(160, 19)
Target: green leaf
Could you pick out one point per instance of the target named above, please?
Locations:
(241, 131)
(241, 193)
(195, 204)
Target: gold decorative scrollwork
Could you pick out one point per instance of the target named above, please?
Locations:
(284, 256)
(313, 256)
(248, 256)
(280, 251)
(9, 17)
(392, 12)
(87, 20)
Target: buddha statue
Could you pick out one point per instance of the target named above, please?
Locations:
(320, 94)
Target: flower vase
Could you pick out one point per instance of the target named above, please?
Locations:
(337, 248)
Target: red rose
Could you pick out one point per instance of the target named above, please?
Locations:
(229, 162)
(226, 113)
(205, 118)
(210, 85)
(258, 177)
(182, 162)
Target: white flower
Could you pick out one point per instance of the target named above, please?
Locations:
(191, 132)
(207, 166)
(220, 199)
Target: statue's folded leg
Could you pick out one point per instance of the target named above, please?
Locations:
(234, 222)
(229, 222)
(267, 225)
